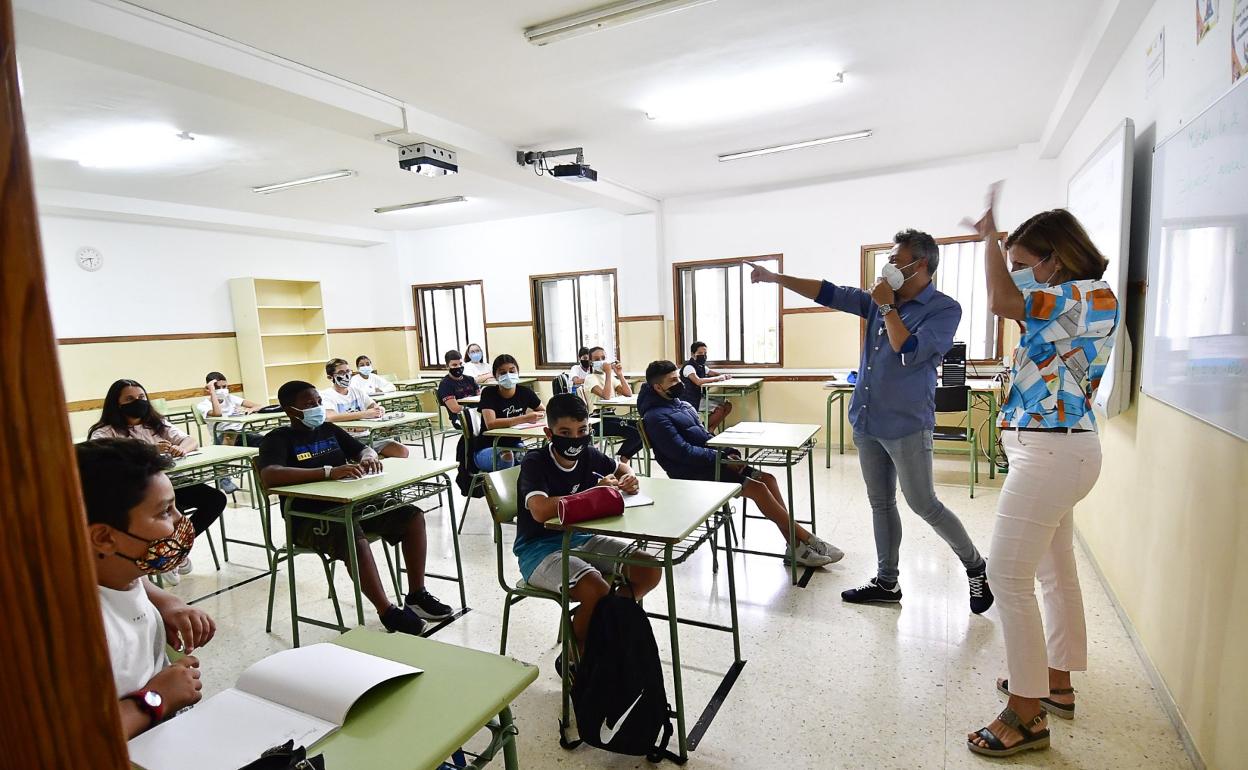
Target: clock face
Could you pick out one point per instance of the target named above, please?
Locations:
(90, 259)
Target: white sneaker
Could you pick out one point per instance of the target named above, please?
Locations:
(185, 567)
(824, 548)
(170, 578)
(807, 556)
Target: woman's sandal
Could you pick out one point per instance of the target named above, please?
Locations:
(1063, 710)
(996, 748)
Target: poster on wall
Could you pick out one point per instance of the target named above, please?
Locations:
(1206, 17)
(1239, 40)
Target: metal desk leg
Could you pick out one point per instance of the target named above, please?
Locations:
(788, 472)
(290, 573)
(810, 474)
(827, 432)
(992, 434)
(353, 563)
(459, 564)
(674, 626)
(511, 760)
(841, 407)
(564, 636)
(732, 582)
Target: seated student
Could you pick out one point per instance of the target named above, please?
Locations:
(606, 380)
(503, 405)
(568, 464)
(135, 530)
(580, 370)
(455, 386)
(475, 365)
(679, 443)
(128, 414)
(344, 402)
(220, 402)
(370, 383)
(694, 374)
(310, 449)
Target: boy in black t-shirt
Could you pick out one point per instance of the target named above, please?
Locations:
(569, 463)
(310, 449)
(455, 386)
(502, 406)
(695, 374)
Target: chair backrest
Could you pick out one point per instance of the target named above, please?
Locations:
(500, 493)
(645, 440)
(952, 398)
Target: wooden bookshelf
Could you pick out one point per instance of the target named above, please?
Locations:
(280, 329)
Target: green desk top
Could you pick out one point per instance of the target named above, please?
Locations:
(407, 418)
(469, 400)
(737, 382)
(394, 395)
(250, 419)
(399, 472)
(629, 401)
(534, 432)
(765, 435)
(838, 385)
(210, 455)
(679, 508)
(414, 381)
(417, 722)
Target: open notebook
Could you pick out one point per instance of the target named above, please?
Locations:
(302, 694)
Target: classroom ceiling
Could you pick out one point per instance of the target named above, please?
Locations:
(932, 80)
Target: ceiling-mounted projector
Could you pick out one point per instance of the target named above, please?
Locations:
(577, 171)
(428, 160)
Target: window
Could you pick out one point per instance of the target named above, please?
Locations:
(960, 274)
(448, 317)
(739, 321)
(574, 310)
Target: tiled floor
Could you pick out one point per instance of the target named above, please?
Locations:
(827, 685)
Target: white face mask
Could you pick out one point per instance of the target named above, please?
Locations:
(894, 275)
(223, 393)
(597, 365)
(366, 370)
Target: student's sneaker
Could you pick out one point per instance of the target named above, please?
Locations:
(559, 669)
(981, 594)
(228, 486)
(872, 592)
(185, 567)
(170, 578)
(824, 548)
(427, 606)
(402, 620)
(806, 556)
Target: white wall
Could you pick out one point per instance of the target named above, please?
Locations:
(821, 227)
(506, 252)
(170, 280)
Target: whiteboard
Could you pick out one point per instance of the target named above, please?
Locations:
(1099, 195)
(1196, 322)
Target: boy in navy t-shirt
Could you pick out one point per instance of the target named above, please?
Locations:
(455, 386)
(568, 464)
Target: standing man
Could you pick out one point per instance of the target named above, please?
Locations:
(910, 327)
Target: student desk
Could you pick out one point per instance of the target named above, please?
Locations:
(628, 406)
(399, 400)
(256, 422)
(396, 424)
(737, 386)
(773, 444)
(470, 400)
(680, 509)
(419, 722)
(212, 463)
(983, 391)
(534, 433)
(415, 384)
(406, 481)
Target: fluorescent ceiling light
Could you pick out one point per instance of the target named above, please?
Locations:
(420, 204)
(278, 187)
(794, 146)
(136, 145)
(604, 16)
(751, 91)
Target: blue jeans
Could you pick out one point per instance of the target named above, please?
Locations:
(908, 459)
(486, 460)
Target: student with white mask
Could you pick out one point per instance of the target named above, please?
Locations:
(344, 403)
(368, 380)
(475, 365)
(910, 327)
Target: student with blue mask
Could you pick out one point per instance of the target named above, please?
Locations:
(311, 449)
(502, 406)
(475, 365)
(910, 327)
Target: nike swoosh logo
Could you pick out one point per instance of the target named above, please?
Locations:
(606, 733)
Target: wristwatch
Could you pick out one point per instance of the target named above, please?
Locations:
(328, 470)
(885, 309)
(150, 702)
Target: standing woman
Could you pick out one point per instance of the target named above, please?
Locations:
(1053, 289)
(128, 414)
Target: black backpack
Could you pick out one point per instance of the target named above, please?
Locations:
(618, 695)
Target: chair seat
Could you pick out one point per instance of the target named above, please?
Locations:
(950, 433)
(523, 587)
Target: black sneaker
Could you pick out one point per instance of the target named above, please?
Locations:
(981, 594)
(872, 593)
(402, 620)
(559, 669)
(427, 606)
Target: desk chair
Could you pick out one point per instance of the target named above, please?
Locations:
(290, 550)
(184, 417)
(470, 424)
(951, 400)
(500, 495)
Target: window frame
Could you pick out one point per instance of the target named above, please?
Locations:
(682, 344)
(539, 329)
(867, 277)
(417, 306)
